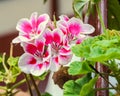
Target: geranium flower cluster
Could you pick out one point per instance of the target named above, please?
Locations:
(47, 43)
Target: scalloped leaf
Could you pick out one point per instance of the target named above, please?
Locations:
(77, 68)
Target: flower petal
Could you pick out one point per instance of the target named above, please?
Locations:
(74, 26)
(87, 29)
(33, 20)
(43, 18)
(64, 51)
(64, 59)
(57, 36)
(38, 70)
(24, 26)
(40, 44)
(26, 62)
(64, 17)
(30, 48)
(48, 36)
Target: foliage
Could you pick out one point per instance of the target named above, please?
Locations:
(55, 45)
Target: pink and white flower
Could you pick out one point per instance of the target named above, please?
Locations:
(61, 53)
(32, 28)
(36, 59)
(73, 28)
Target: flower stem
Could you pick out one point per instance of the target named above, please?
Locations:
(33, 81)
(28, 84)
(3, 63)
(11, 50)
(18, 84)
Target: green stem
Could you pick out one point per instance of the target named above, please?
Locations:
(3, 88)
(33, 81)
(28, 84)
(18, 84)
(3, 63)
(9, 91)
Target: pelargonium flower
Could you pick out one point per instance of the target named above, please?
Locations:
(61, 53)
(73, 28)
(32, 28)
(36, 59)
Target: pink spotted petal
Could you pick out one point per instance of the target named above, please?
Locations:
(87, 29)
(64, 59)
(26, 63)
(48, 36)
(75, 26)
(30, 48)
(57, 36)
(24, 25)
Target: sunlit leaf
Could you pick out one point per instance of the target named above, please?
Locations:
(13, 61)
(77, 68)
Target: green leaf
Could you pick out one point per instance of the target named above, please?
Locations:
(113, 14)
(77, 68)
(89, 86)
(99, 54)
(72, 88)
(78, 6)
(13, 61)
(83, 49)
